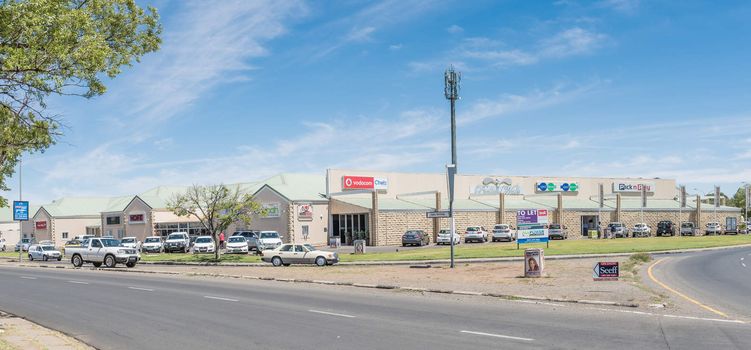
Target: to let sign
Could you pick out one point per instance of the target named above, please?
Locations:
(606, 271)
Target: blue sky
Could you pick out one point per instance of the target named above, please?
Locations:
(244, 89)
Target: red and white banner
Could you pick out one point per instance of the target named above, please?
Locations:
(364, 183)
(40, 225)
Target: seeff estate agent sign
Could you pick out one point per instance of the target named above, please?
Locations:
(531, 226)
(605, 271)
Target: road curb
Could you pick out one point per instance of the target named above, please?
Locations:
(356, 285)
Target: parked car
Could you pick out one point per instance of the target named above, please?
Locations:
(287, 254)
(24, 243)
(82, 238)
(475, 234)
(237, 245)
(46, 242)
(251, 237)
(665, 228)
(618, 229)
(641, 230)
(44, 252)
(177, 242)
(2, 244)
(204, 244)
(130, 242)
(152, 244)
(105, 251)
(503, 232)
(688, 229)
(731, 227)
(713, 228)
(557, 231)
(269, 240)
(444, 237)
(415, 237)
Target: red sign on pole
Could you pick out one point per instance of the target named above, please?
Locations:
(358, 183)
(40, 225)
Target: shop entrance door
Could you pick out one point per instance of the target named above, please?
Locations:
(349, 227)
(588, 222)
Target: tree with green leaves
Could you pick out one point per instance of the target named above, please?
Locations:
(216, 207)
(61, 47)
(739, 198)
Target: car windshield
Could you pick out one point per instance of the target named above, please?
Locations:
(473, 229)
(128, 240)
(555, 227)
(237, 239)
(110, 242)
(687, 225)
(176, 237)
(640, 225)
(444, 232)
(269, 235)
(412, 233)
(48, 247)
(203, 240)
(152, 240)
(25, 240)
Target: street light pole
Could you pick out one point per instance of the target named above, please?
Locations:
(451, 91)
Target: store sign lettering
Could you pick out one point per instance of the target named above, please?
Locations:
(40, 225)
(633, 187)
(557, 187)
(491, 186)
(364, 183)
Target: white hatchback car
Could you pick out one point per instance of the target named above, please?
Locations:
(204, 244)
(503, 232)
(476, 234)
(444, 237)
(129, 242)
(641, 230)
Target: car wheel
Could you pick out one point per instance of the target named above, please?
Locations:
(45, 258)
(321, 261)
(76, 260)
(276, 261)
(97, 264)
(31, 257)
(109, 261)
(130, 264)
(60, 258)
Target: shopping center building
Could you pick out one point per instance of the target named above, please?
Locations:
(379, 207)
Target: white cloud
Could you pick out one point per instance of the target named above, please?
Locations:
(206, 44)
(623, 6)
(395, 47)
(455, 29)
(570, 42)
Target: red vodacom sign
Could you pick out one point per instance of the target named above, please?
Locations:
(357, 182)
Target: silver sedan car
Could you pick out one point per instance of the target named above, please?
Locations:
(288, 254)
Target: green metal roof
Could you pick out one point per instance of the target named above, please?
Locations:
(298, 187)
(512, 203)
(568, 202)
(77, 206)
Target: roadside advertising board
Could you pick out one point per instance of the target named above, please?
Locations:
(531, 226)
(20, 211)
(606, 271)
(534, 262)
(364, 183)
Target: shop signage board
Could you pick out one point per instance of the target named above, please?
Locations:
(531, 226)
(304, 212)
(633, 187)
(438, 214)
(364, 183)
(606, 271)
(557, 187)
(493, 186)
(40, 225)
(20, 211)
(271, 210)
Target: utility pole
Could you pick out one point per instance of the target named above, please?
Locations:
(20, 198)
(451, 91)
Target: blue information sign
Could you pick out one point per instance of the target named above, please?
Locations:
(20, 210)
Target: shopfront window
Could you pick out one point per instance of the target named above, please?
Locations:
(192, 228)
(350, 227)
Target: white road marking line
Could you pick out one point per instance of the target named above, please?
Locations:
(78, 282)
(331, 313)
(537, 302)
(143, 289)
(497, 335)
(742, 259)
(28, 278)
(744, 264)
(671, 316)
(219, 298)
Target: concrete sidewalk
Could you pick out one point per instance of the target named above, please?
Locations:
(18, 333)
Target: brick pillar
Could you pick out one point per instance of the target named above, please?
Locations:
(437, 221)
(698, 212)
(374, 238)
(501, 208)
(560, 209)
(618, 207)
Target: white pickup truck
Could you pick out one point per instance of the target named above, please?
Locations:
(102, 250)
